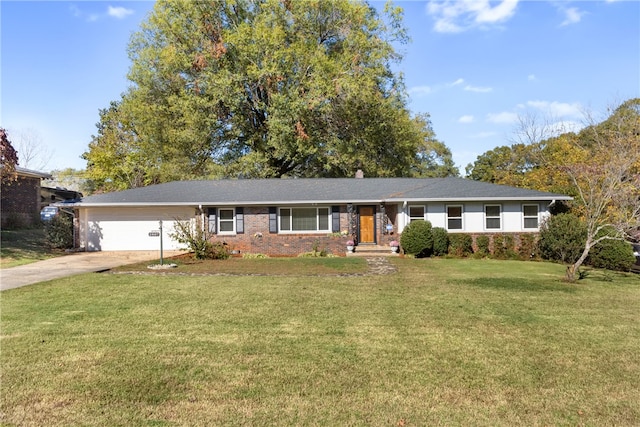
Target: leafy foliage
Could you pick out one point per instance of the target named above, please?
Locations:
(264, 88)
(460, 244)
(483, 243)
(197, 238)
(59, 231)
(8, 158)
(612, 254)
(562, 238)
(440, 241)
(417, 238)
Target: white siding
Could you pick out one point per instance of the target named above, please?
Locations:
(473, 217)
(120, 229)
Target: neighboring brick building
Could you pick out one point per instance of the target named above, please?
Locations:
(20, 199)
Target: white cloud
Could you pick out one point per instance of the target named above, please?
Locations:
(531, 77)
(571, 16)
(557, 109)
(466, 119)
(114, 12)
(457, 82)
(119, 12)
(481, 135)
(454, 16)
(501, 118)
(478, 89)
(420, 90)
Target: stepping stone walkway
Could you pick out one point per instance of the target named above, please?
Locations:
(376, 266)
(380, 266)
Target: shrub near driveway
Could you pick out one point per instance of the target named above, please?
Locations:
(441, 342)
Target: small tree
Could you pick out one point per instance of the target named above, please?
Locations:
(197, 237)
(417, 239)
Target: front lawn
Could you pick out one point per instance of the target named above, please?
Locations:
(18, 247)
(440, 342)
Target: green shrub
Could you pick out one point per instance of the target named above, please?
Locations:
(528, 247)
(562, 238)
(59, 232)
(417, 239)
(504, 246)
(440, 241)
(612, 254)
(460, 244)
(483, 242)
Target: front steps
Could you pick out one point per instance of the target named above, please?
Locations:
(366, 250)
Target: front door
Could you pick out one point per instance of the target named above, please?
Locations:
(367, 224)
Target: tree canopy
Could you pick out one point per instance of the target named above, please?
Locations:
(264, 88)
(8, 158)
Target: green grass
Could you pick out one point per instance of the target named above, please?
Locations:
(18, 247)
(304, 266)
(441, 342)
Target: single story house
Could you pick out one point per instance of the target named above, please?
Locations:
(21, 199)
(285, 217)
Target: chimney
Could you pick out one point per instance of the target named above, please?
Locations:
(359, 173)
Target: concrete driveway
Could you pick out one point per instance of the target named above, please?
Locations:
(69, 265)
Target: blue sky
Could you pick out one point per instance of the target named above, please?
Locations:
(474, 66)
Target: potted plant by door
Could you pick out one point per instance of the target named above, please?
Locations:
(350, 246)
(395, 246)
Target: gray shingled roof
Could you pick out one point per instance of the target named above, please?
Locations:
(314, 190)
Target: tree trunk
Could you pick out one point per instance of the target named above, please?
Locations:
(572, 270)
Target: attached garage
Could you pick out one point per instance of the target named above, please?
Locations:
(123, 229)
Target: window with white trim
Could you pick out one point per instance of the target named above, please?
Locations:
(416, 213)
(226, 221)
(305, 219)
(530, 215)
(454, 217)
(492, 217)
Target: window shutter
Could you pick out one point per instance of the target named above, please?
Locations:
(211, 213)
(335, 219)
(273, 220)
(240, 220)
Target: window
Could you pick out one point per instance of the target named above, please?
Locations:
(416, 212)
(492, 218)
(454, 217)
(226, 221)
(530, 216)
(304, 219)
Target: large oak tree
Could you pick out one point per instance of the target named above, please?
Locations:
(267, 88)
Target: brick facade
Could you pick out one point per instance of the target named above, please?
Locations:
(257, 239)
(20, 202)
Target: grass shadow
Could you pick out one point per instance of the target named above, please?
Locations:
(519, 285)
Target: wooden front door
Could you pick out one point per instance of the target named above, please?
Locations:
(367, 224)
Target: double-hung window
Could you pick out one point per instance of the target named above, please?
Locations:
(530, 214)
(454, 217)
(226, 221)
(307, 219)
(416, 213)
(492, 217)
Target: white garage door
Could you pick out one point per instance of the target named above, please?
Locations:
(128, 229)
